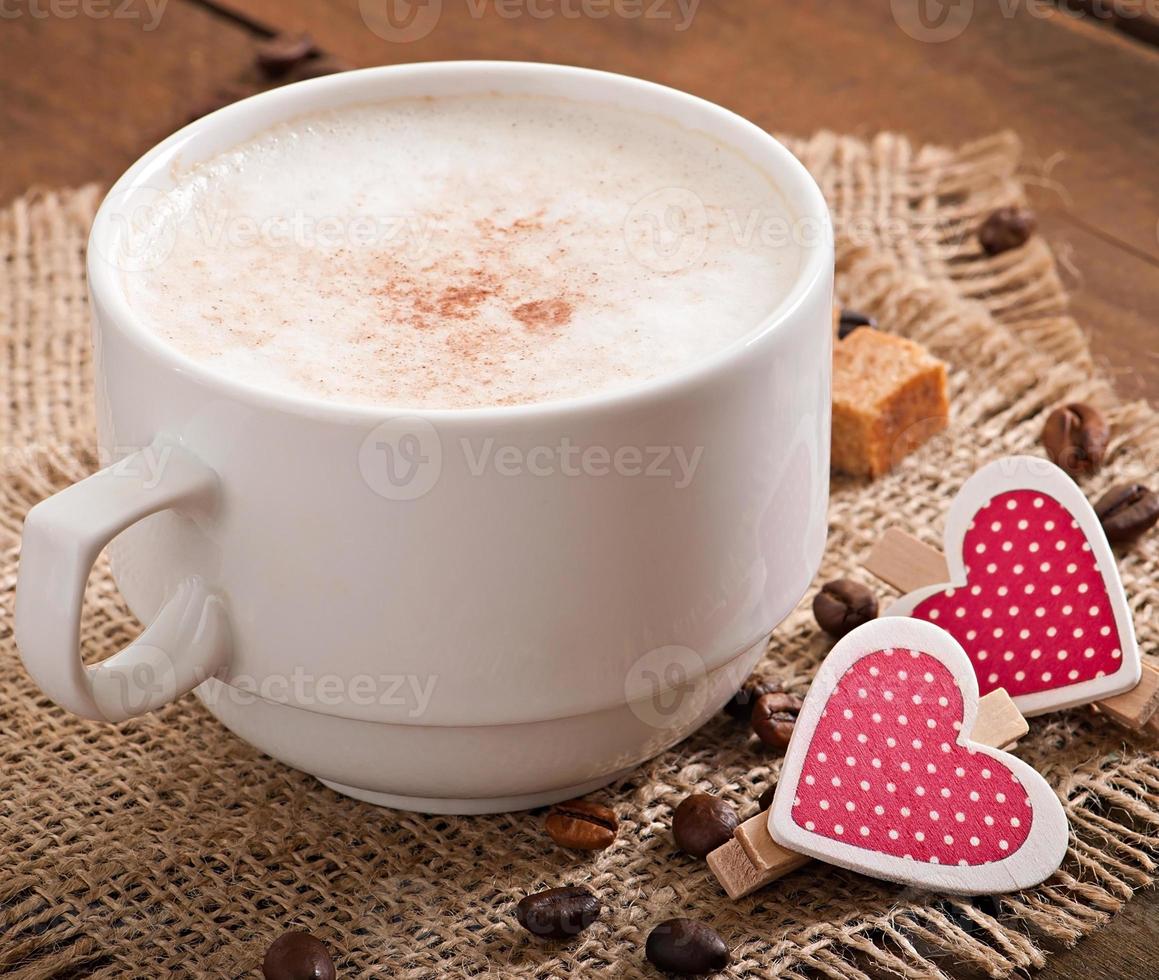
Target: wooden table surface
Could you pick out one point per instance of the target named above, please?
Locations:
(87, 85)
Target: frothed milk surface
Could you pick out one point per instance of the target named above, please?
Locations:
(464, 252)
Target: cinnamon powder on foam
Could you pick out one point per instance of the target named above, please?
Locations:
(409, 294)
(526, 288)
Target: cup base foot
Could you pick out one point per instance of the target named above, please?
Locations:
(469, 807)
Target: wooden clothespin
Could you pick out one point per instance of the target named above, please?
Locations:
(752, 859)
(1030, 588)
(896, 769)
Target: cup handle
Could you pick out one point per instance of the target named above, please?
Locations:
(187, 642)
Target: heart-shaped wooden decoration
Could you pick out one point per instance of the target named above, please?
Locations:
(1034, 595)
(882, 777)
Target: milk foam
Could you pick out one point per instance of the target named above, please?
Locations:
(464, 252)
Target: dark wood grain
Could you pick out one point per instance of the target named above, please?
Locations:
(1124, 949)
(81, 98)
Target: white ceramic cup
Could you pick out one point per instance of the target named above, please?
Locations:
(348, 590)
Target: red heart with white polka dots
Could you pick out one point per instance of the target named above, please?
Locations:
(1036, 600)
(882, 778)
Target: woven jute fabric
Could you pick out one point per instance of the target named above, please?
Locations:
(165, 846)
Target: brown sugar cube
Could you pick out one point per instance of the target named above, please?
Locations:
(889, 396)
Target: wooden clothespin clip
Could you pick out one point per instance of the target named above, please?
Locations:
(1030, 588)
(896, 769)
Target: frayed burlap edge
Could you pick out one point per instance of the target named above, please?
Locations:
(907, 254)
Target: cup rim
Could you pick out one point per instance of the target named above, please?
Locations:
(794, 182)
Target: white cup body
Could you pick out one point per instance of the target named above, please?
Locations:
(481, 609)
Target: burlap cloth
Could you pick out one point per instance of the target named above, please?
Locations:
(166, 846)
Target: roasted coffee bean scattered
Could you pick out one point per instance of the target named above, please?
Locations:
(774, 718)
(278, 54)
(843, 605)
(686, 947)
(1127, 510)
(850, 320)
(1007, 228)
(558, 913)
(766, 798)
(582, 826)
(1075, 437)
(702, 823)
(741, 705)
(297, 956)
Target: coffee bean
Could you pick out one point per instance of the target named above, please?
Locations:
(843, 605)
(774, 717)
(1127, 510)
(741, 705)
(850, 320)
(702, 823)
(278, 54)
(687, 947)
(1076, 437)
(582, 826)
(558, 913)
(1007, 228)
(297, 956)
(765, 800)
